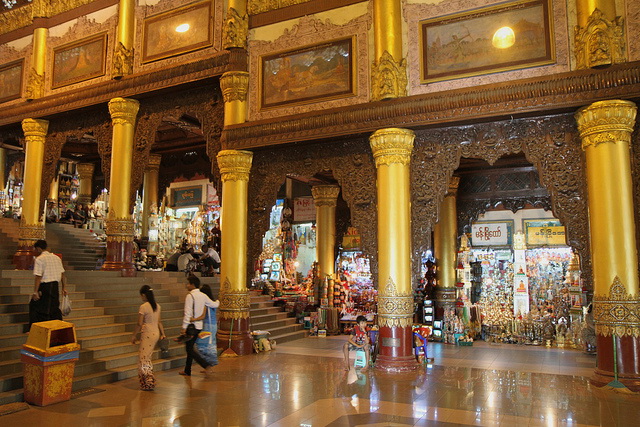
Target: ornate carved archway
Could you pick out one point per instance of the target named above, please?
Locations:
(352, 165)
(550, 143)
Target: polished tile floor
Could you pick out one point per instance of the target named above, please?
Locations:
(303, 383)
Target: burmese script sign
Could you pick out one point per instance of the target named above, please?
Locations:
(491, 233)
(544, 233)
(191, 196)
(304, 210)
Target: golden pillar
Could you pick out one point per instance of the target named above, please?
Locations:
(599, 35)
(119, 223)
(54, 189)
(392, 153)
(236, 25)
(234, 167)
(234, 85)
(85, 171)
(389, 69)
(123, 51)
(35, 80)
(31, 225)
(325, 198)
(445, 242)
(150, 191)
(605, 129)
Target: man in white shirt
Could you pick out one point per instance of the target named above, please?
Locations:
(194, 305)
(183, 260)
(210, 258)
(48, 272)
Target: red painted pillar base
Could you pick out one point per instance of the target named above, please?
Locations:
(120, 258)
(395, 349)
(628, 356)
(23, 258)
(241, 340)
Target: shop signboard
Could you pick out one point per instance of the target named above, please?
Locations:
(304, 210)
(491, 233)
(351, 240)
(188, 196)
(544, 232)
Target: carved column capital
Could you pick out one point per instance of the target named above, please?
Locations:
(600, 42)
(35, 130)
(325, 195)
(453, 186)
(606, 121)
(617, 313)
(392, 145)
(35, 85)
(123, 111)
(153, 164)
(122, 61)
(234, 303)
(85, 170)
(235, 31)
(388, 77)
(234, 85)
(234, 165)
(28, 234)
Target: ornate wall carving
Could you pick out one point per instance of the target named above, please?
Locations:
(635, 169)
(305, 33)
(633, 27)
(415, 12)
(205, 105)
(551, 143)
(259, 6)
(352, 165)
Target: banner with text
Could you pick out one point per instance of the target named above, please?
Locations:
(304, 210)
(544, 233)
(491, 233)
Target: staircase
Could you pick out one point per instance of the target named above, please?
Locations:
(266, 317)
(104, 313)
(79, 248)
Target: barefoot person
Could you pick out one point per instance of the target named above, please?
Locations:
(359, 340)
(49, 273)
(150, 328)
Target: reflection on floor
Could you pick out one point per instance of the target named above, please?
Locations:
(302, 383)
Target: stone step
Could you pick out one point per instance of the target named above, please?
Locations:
(271, 325)
(15, 298)
(131, 308)
(263, 311)
(24, 306)
(291, 336)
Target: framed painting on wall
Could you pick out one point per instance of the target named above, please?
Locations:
(79, 61)
(309, 74)
(498, 38)
(177, 31)
(11, 80)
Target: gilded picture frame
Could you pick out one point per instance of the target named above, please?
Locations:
(505, 37)
(177, 31)
(11, 80)
(78, 61)
(308, 74)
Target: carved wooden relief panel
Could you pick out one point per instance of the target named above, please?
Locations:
(352, 165)
(551, 144)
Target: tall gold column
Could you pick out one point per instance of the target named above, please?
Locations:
(599, 35)
(325, 198)
(234, 167)
(150, 191)
(392, 153)
(35, 80)
(605, 128)
(85, 171)
(234, 85)
(236, 25)
(445, 242)
(54, 189)
(123, 51)
(31, 225)
(119, 223)
(389, 69)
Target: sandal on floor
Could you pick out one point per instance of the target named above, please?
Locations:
(183, 373)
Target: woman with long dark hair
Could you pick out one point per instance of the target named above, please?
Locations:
(150, 328)
(206, 342)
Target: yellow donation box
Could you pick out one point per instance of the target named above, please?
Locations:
(49, 359)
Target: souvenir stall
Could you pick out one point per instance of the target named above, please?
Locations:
(11, 200)
(354, 291)
(517, 287)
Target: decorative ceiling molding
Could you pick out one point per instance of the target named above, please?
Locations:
(137, 86)
(539, 95)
